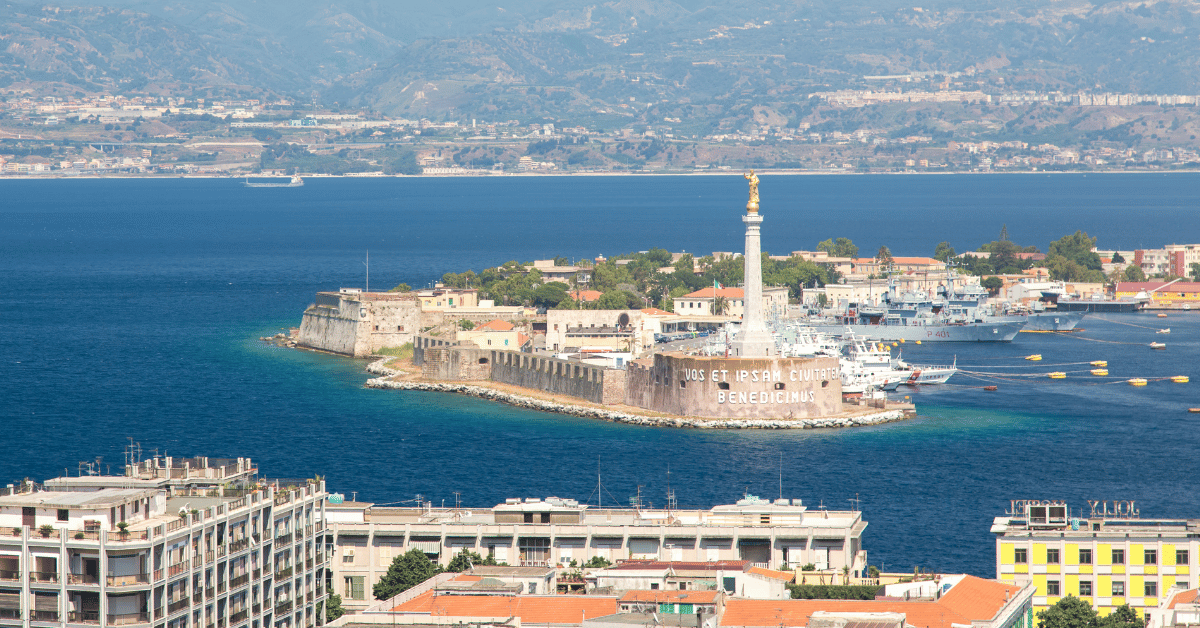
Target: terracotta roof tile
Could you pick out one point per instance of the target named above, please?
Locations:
(532, 609)
(496, 325)
(976, 598)
(708, 293)
(786, 576)
(1184, 597)
(716, 565)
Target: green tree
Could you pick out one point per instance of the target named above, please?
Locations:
(1069, 612)
(333, 608)
(944, 252)
(401, 288)
(406, 571)
(884, 256)
(466, 325)
(1122, 617)
(549, 295)
(1076, 247)
(1003, 233)
(597, 562)
(1194, 271)
(1134, 273)
(720, 304)
(464, 560)
(993, 285)
(1117, 258)
(841, 247)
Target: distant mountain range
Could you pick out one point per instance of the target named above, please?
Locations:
(605, 62)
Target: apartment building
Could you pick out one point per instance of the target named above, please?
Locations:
(172, 543)
(780, 534)
(1105, 553)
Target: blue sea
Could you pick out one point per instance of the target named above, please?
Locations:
(132, 310)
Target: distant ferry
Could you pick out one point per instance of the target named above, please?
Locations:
(1103, 304)
(294, 183)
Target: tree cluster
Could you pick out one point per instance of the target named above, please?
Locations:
(414, 567)
(1072, 612)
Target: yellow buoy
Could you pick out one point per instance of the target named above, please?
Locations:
(918, 342)
(1180, 379)
(902, 341)
(1058, 375)
(895, 344)
(1099, 371)
(1034, 358)
(1137, 381)
(1101, 363)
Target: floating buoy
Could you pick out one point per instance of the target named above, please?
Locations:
(1161, 315)
(1100, 363)
(1158, 345)
(1164, 331)
(1137, 381)
(1034, 358)
(992, 388)
(918, 342)
(896, 344)
(1099, 371)
(1194, 410)
(1180, 379)
(1058, 375)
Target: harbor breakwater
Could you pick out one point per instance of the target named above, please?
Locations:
(380, 368)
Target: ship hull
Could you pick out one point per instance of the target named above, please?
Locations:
(1101, 306)
(1053, 321)
(973, 332)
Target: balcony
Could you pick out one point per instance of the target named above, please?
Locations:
(85, 535)
(283, 573)
(10, 613)
(178, 605)
(220, 622)
(256, 609)
(12, 576)
(210, 592)
(283, 539)
(283, 607)
(239, 545)
(83, 617)
(308, 564)
(257, 574)
(131, 580)
(239, 581)
(123, 537)
(158, 574)
(43, 616)
(209, 556)
(220, 587)
(220, 551)
(43, 576)
(177, 568)
(126, 619)
(82, 578)
(239, 616)
(197, 597)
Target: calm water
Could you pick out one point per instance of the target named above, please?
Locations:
(132, 309)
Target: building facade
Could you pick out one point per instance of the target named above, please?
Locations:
(197, 543)
(552, 532)
(1105, 554)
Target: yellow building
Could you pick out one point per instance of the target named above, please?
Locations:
(1103, 553)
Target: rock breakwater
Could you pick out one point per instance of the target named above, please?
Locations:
(521, 401)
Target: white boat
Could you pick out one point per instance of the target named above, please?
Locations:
(921, 375)
(866, 365)
(294, 183)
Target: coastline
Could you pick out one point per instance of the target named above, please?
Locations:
(586, 411)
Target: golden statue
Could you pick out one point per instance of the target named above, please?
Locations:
(752, 205)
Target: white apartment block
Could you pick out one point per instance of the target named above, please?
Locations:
(780, 534)
(173, 543)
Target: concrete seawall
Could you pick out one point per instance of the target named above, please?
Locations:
(483, 392)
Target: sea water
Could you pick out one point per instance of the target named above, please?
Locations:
(133, 310)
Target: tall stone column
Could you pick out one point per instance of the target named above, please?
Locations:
(754, 341)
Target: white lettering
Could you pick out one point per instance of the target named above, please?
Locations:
(742, 397)
(742, 375)
(721, 396)
(812, 396)
(808, 375)
(754, 376)
(687, 375)
(724, 375)
(766, 376)
(764, 397)
(701, 373)
(793, 376)
(776, 376)
(753, 397)
(779, 397)
(795, 397)
(714, 374)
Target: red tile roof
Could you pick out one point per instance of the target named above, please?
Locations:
(658, 596)
(653, 311)
(1147, 286)
(532, 609)
(496, 325)
(585, 295)
(708, 293)
(1184, 597)
(786, 576)
(971, 599)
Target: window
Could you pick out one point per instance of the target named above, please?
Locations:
(1021, 555)
(1052, 587)
(1085, 588)
(1085, 556)
(1052, 555)
(63, 514)
(355, 588)
(1181, 557)
(1118, 557)
(1151, 588)
(1151, 557)
(654, 585)
(1118, 589)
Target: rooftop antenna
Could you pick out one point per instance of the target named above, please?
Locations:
(856, 501)
(367, 263)
(781, 475)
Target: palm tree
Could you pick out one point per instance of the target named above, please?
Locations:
(720, 304)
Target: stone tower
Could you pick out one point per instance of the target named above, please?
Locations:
(754, 341)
